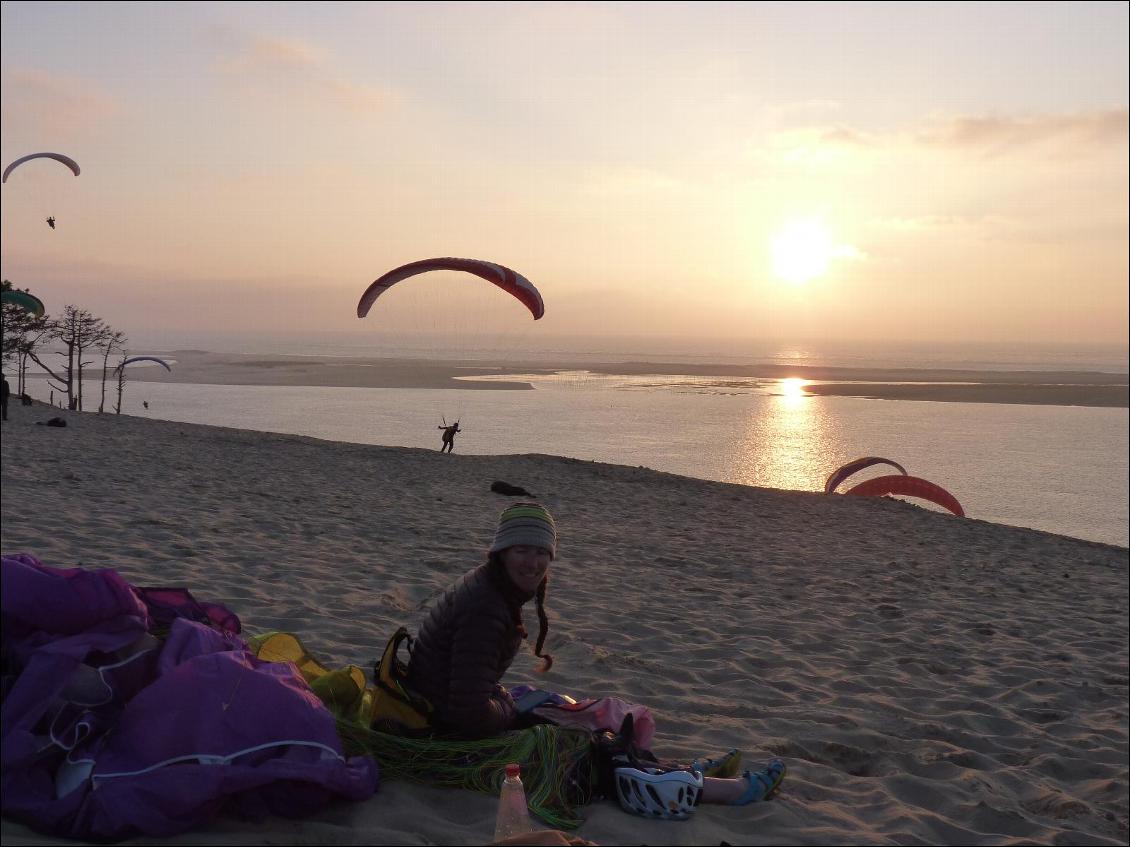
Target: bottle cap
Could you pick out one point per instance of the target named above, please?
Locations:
(513, 769)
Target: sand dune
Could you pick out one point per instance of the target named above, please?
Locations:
(928, 679)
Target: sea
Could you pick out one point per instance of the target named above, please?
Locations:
(1059, 469)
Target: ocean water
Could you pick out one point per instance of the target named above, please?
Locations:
(537, 348)
(1057, 469)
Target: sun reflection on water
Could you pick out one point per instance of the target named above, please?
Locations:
(786, 440)
(792, 388)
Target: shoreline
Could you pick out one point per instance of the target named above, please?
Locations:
(1056, 388)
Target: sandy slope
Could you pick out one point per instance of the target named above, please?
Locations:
(928, 679)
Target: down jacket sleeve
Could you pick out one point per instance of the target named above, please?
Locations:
(464, 646)
(478, 706)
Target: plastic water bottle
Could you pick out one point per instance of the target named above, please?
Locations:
(513, 815)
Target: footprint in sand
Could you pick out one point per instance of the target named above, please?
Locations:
(1042, 715)
(852, 760)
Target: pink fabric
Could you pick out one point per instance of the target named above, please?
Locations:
(602, 713)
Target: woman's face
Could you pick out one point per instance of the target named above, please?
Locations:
(526, 566)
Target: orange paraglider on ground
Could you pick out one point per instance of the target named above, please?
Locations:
(909, 486)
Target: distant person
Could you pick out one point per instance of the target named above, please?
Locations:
(51, 222)
(145, 403)
(449, 437)
(5, 390)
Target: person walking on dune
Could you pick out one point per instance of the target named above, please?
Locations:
(449, 436)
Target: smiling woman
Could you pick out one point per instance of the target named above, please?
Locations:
(801, 250)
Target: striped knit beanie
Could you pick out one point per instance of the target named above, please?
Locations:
(530, 524)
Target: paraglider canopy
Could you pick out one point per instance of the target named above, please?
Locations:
(854, 466)
(508, 280)
(132, 359)
(25, 300)
(910, 486)
(58, 157)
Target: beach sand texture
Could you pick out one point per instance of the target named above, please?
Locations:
(928, 679)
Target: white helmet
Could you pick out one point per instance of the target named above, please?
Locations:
(652, 793)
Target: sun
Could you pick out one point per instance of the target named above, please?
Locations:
(801, 250)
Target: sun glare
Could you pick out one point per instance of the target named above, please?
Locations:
(792, 388)
(801, 251)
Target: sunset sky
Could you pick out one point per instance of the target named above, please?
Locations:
(859, 171)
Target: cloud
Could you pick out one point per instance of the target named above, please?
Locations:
(271, 54)
(845, 136)
(1097, 227)
(994, 135)
(1061, 137)
(297, 70)
(52, 106)
(821, 147)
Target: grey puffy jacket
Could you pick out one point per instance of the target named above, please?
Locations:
(464, 646)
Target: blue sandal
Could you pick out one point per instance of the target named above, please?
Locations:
(727, 765)
(761, 783)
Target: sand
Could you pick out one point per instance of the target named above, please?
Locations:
(928, 679)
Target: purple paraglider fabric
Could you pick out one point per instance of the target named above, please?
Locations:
(167, 604)
(110, 732)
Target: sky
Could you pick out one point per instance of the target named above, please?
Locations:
(951, 172)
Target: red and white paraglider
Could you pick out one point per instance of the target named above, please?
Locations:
(510, 281)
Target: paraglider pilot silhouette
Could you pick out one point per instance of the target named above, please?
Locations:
(508, 280)
(58, 157)
(449, 436)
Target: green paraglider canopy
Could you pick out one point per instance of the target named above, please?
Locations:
(25, 300)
